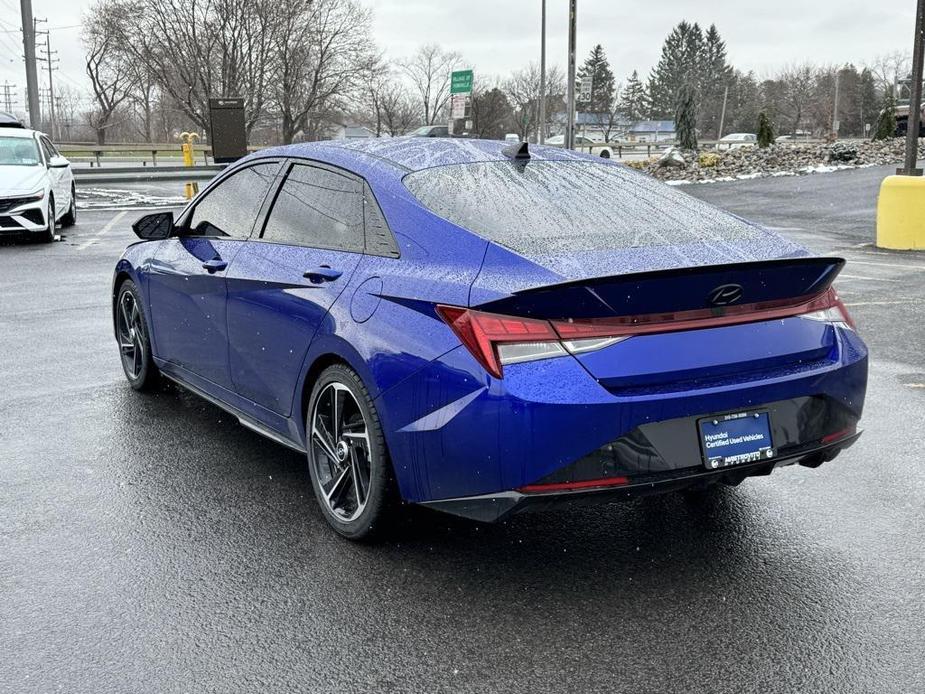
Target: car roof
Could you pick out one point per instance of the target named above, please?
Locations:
(408, 154)
(18, 132)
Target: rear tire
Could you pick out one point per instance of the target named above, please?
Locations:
(347, 458)
(134, 339)
(70, 217)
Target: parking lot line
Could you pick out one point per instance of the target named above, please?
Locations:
(852, 261)
(105, 230)
(867, 279)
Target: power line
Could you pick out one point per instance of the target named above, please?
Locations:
(50, 61)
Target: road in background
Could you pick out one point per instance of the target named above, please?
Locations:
(151, 544)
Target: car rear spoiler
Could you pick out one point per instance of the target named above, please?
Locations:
(680, 289)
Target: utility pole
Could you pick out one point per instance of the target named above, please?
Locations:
(915, 97)
(541, 134)
(835, 107)
(28, 44)
(50, 62)
(8, 96)
(570, 100)
(722, 115)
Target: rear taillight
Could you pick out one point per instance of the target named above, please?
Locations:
(495, 340)
(492, 338)
(834, 312)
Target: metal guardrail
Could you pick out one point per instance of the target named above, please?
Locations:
(115, 174)
(96, 154)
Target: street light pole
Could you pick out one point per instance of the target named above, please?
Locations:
(915, 98)
(570, 100)
(28, 43)
(541, 133)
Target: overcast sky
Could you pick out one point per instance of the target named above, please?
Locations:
(497, 36)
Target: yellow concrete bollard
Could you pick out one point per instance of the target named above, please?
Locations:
(190, 190)
(901, 213)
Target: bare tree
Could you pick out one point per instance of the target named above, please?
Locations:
(798, 83)
(323, 51)
(429, 71)
(890, 68)
(388, 107)
(199, 49)
(523, 91)
(103, 32)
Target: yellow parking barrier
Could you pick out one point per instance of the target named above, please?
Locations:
(190, 189)
(901, 213)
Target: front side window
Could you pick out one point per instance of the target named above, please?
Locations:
(231, 208)
(319, 209)
(19, 151)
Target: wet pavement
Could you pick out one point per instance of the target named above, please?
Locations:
(151, 544)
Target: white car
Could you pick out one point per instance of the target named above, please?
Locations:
(737, 141)
(36, 184)
(582, 144)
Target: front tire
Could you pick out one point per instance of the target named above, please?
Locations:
(347, 459)
(134, 339)
(48, 235)
(70, 217)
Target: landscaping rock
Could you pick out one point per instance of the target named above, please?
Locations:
(785, 159)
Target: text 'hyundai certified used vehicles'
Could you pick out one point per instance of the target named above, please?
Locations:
(484, 327)
(36, 184)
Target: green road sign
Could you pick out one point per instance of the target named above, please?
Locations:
(461, 82)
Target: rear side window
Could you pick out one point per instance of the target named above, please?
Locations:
(565, 206)
(231, 208)
(317, 208)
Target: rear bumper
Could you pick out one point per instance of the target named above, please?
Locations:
(454, 433)
(498, 506)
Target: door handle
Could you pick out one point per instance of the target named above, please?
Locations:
(214, 265)
(321, 274)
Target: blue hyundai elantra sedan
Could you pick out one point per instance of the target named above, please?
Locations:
(484, 328)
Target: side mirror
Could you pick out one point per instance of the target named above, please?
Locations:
(154, 226)
(58, 162)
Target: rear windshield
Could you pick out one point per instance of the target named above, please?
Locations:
(562, 206)
(18, 151)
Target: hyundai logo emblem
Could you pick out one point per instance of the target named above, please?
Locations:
(725, 294)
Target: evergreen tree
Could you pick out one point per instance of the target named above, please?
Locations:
(716, 75)
(597, 69)
(681, 63)
(886, 123)
(634, 102)
(744, 97)
(685, 117)
(765, 131)
(868, 105)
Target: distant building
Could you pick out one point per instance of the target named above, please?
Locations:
(595, 125)
(651, 131)
(341, 131)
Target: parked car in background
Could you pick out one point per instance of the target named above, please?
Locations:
(737, 141)
(902, 121)
(36, 183)
(430, 131)
(452, 324)
(512, 137)
(582, 144)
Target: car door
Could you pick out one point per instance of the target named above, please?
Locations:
(56, 175)
(281, 285)
(65, 179)
(186, 279)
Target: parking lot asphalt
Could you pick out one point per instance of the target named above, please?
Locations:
(148, 543)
